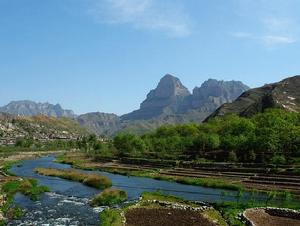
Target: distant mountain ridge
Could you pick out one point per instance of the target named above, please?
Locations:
(31, 108)
(169, 103)
(284, 94)
(170, 97)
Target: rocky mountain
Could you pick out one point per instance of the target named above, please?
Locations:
(284, 94)
(100, 123)
(39, 127)
(213, 93)
(171, 97)
(169, 103)
(165, 98)
(31, 108)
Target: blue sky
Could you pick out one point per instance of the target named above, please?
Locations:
(105, 55)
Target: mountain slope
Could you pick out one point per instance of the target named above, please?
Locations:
(100, 123)
(38, 127)
(31, 108)
(284, 94)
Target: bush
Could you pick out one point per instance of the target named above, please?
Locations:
(111, 217)
(97, 181)
(28, 187)
(109, 197)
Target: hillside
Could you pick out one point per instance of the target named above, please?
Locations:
(38, 127)
(284, 94)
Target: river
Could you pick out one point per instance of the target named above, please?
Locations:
(67, 201)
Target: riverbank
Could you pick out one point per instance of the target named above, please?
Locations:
(11, 184)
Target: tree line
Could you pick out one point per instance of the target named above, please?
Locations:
(269, 137)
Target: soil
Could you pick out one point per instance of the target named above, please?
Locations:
(165, 217)
(260, 218)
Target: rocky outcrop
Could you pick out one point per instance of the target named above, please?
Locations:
(213, 93)
(165, 98)
(284, 94)
(31, 108)
(172, 98)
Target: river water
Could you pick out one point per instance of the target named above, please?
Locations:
(67, 201)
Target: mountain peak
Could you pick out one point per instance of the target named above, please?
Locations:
(169, 86)
(31, 108)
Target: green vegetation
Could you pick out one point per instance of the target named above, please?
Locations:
(157, 195)
(111, 217)
(109, 197)
(93, 180)
(155, 174)
(28, 187)
(230, 210)
(215, 216)
(269, 137)
(14, 213)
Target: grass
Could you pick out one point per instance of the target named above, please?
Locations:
(109, 197)
(157, 195)
(28, 187)
(92, 180)
(111, 217)
(230, 210)
(6, 166)
(214, 216)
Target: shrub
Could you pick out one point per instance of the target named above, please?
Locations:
(97, 181)
(111, 217)
(28, 187)
(109, 197)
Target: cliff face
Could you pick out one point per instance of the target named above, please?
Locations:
(284, 94)
(165, 98)
(213, 93)
(31, 108)
(171, 97)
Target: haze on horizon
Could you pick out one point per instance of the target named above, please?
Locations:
(105, 55)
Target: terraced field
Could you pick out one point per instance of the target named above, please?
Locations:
(261, 178)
